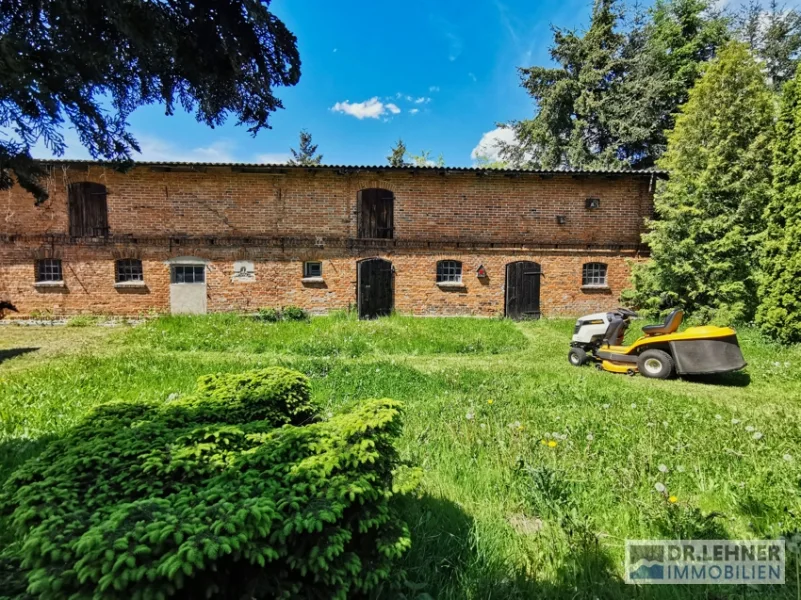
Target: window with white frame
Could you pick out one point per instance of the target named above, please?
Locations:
(593, 275)
(129, 270)
(449, 271)
(48, 270)
(312, 269)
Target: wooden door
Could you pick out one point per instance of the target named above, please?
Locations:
(376, 214)
(374, 288)
(523, 290)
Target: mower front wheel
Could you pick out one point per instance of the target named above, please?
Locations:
(577, 357)
(655, 364)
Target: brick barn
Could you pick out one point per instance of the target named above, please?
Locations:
(180, 237)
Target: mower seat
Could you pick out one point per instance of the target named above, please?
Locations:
(670, 325)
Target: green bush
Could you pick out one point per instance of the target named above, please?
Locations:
(220, 494)
(271, 315)
(294, 313)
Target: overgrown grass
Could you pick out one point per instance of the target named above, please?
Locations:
(535, 472)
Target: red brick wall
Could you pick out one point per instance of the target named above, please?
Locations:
(89, 282)
(497, 219)
(428, 206)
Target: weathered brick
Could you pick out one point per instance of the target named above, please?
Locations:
(279, 220)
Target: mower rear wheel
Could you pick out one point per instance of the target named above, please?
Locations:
(655, 364)
(577, 357)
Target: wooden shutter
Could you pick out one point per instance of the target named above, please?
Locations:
(376, 214)
(88, 210)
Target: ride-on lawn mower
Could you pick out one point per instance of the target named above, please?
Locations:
(657, 354)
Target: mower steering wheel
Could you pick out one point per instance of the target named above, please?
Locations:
(626, 312)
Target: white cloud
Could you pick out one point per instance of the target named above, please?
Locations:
(472, 76)
(422, 100)
(414, 111)
(489, 146)
(369, 109)
(433, 89)
(272, 158)
(155, 148)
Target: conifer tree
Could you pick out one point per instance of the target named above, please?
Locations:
(779, 313)
(306, 154)
(397, 157)
(93, 63)
(709, 214)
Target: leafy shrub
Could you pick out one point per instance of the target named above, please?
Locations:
(219, 495)
(271, 315)
(294, 313)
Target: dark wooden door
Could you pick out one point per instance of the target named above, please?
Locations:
(523, 290)
(376, 214)
(374, 288)
(88, 210)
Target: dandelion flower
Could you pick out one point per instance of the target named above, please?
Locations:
(663, 468)
(718, 417)
(470, 415)
(590, 437)
(749, 428)
(665, 423)
(633, 405)
(757, 435)
(605, 406)
(680, 468)
(735, 421)
(673, 499)
(520, 428)
(552, 444)
(483, 426)
(788, 458)
(489, 401)
(660, 487)
(544, 442)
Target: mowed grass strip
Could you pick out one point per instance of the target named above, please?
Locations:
(533, 472)
(337, 335)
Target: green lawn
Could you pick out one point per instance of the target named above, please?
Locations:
(534, 472)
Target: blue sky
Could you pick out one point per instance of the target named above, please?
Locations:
(438, 74)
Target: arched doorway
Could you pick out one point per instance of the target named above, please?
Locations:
(374, 288)
(523, 290)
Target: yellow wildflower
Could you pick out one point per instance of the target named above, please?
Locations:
(489, 401)
(552, 444)
(673, 499)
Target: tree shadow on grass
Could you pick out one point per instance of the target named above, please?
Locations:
(14, 352)
(444, 563)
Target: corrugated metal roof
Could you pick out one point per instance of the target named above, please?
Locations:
(276, 166)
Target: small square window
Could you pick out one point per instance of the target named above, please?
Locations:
(48, 269)
(593, 203)
(129, 269)
(593, 275)
(188, 274)
(312, 269)
(449, 271)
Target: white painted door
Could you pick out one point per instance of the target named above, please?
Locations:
(188, 289)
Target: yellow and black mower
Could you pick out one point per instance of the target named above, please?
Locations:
(660, 352)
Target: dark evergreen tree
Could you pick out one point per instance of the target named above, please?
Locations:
(779, 313)
(704, 241)
(397, 158)
(774, 35)
(93, 63)
(306, 154)
(617, 87)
